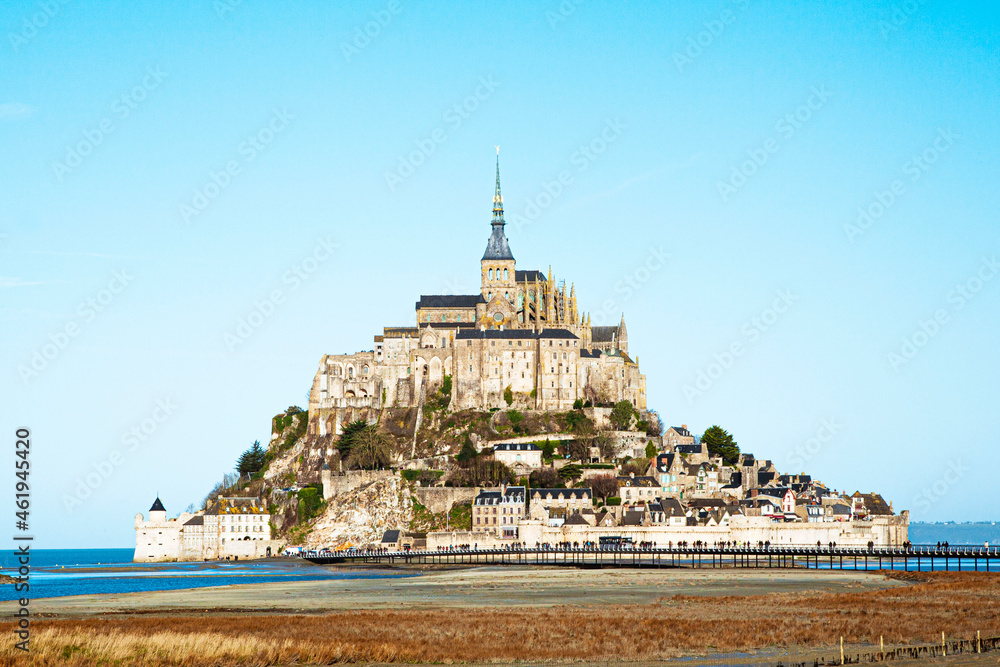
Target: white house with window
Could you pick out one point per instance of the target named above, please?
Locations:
(518, 454)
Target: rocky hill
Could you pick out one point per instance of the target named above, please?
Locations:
(290, 481)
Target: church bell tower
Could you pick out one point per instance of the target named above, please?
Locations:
(499, 286)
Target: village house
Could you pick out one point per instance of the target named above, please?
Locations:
(677, 435)
(558, 504)
(498, 511)
(635, 490)
(523, 455)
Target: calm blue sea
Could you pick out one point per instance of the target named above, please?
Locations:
(974, 534)
(62, 572)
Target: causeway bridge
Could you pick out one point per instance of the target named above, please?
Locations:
(915, 558)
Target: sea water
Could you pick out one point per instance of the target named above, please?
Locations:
(62, 572)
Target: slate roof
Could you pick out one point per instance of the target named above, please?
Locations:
(576, 519)
(671, 507)
(765, 478)
(707, 502)
(513, 494)
(735, 480)
(449, 300)
(498, 334)
(516, 447)
(557, 333)
(197, 520)
(529, 276)
(447, 325)
(391, 536)
(664, 462)
(637, 481)
(494, 334)
(590, 354)
(540, 494)
(602, 517)
(157, 506)
(603, 334)
(875, 504)
(681, 431)
(497, 247)
(633, 518)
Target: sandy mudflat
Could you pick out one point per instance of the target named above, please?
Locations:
(474, 587)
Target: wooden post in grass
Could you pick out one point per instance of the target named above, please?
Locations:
(944, 647)
(841, 650)
(979, 643)
(881, 648)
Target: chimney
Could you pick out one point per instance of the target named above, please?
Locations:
(684, 426)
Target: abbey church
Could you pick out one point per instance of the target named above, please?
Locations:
(522, 332)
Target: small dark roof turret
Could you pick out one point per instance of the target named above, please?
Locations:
(157, 506)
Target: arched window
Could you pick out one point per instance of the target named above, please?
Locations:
(505, 274)
(491, 274)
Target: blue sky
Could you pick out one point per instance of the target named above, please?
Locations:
(821, 181)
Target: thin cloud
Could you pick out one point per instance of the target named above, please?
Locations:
(15, 111)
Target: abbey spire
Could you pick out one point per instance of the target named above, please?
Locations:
(497, 247)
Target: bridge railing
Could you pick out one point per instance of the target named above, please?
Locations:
(913, 551)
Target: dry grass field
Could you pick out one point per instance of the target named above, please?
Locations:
(957, 603)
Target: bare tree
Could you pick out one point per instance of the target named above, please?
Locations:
(604, 486)
(605, 445)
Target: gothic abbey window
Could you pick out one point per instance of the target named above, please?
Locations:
(491, 274)
(505, 274)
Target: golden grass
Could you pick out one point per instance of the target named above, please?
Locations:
(957, 603)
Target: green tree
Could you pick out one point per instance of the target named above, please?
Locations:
(720, 443)
(370, 451)
(467, 453)
(515, 418)
(621, 415)
(577, 422)
(252, 460)
(349, 435)
(548, 448)
(310, 503)
(508, 396)
(569, 472)
(650, 450)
